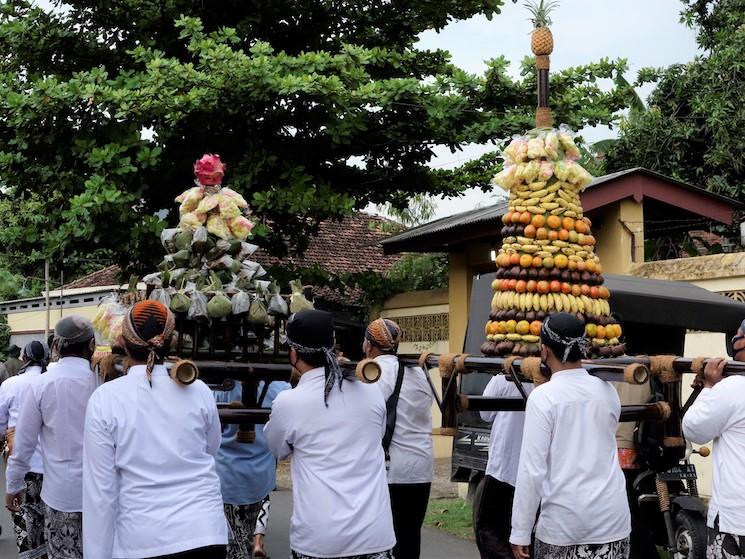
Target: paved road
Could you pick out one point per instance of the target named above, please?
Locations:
(435, 544)
(7, 539)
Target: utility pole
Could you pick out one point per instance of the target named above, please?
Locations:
(46, 297)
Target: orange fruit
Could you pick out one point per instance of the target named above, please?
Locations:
(529, 231)
(525, 218)
(513, 283)
(601, 332)
(500, 328)
(541, 233)
(537, 261)
(563, 234)
(604, 293)
(584, 289)
(610, 333)
(590, 265)
(553, 221)
(553, 235)
(567, 223)
(531, 286)
(543, 286)
(598, 268)
(555, 286)
(566, 288)
(538, 221)
(521, 286)
(514, 259)
(580, 226)
(509, 326)
(548, 262)
(535, 327)
(487, 328)
(587, 221)
(590, 240)
(591, 330)
(507, 218)
(515, 218)
(526, 260)
(594, 292)
(581, 266)
(576, 290)
(572, 265)
(505, 285)
(561, 261)
(573, 236)
(522, 327)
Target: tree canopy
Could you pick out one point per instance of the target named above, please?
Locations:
(692, 129)
(318, 108)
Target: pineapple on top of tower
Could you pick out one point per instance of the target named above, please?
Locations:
(541, 39)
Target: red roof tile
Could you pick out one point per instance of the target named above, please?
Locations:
(102, 278)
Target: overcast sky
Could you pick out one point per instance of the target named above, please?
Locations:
(645, 32)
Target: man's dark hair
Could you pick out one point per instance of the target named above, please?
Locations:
(80, 349)
(141, 354)
(14, 351)
(313, 359)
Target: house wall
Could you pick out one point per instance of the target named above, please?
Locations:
(28, 326)
(619, 231)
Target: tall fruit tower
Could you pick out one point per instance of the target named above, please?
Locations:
(547, 261)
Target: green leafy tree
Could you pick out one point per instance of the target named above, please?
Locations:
(318, 108)
(693, 127)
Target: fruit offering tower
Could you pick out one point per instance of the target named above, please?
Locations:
(547, 262)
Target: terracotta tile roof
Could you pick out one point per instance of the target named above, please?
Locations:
(341, 247)
(102, 278)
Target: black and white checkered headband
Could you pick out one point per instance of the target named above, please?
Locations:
(333, 370)
(581, 342)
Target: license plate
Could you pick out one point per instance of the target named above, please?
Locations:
(680, 472)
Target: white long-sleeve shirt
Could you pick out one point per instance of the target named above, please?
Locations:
(569, 465)
(412, 457)
(718, 414)
(53, 412)
(341, 505)
(150, 485)
(11, 398)
(506, 435)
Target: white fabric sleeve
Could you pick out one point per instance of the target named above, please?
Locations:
(25, 441)
(5, 398)
(276, 429)
(214, 429)
(531, 471)
(495, 389)
(100, 484)
(707, 418)
(387, 381)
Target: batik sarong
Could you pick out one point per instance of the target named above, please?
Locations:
(613, 550)
(29, 523)
(64, 533)
(262, 521)
(724, 546)
(379, 555)
(242, 521)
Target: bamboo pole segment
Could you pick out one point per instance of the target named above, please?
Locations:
(633, 372)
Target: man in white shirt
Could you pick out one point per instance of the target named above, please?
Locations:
(53, 413)
(408, 437)
(492, 502)
(568, 461)
(332, 428)
(718, 414)
(28, 522)
(150, 485)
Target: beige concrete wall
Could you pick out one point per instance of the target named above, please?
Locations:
(36, 320)
(619, 232)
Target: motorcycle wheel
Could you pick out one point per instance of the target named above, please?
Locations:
(690, 535)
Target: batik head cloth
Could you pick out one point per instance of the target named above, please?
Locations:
(72, 330)
(310, 332)
(35, 354)
(383, 334)
(562, 332)
(148, 326)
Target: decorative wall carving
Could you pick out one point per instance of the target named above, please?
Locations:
(424, 328)
(738, 295)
